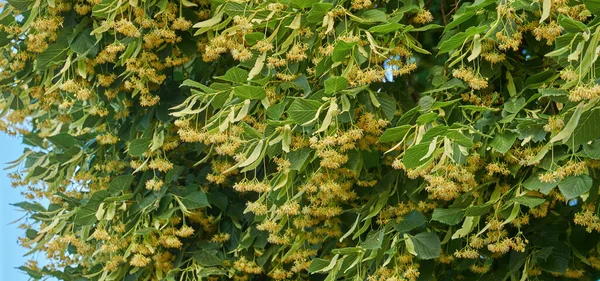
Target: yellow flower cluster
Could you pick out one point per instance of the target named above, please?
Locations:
(475, 81)
(584, 92)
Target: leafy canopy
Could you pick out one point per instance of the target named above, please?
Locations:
(305, 139)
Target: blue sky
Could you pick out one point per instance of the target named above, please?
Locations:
(11, 254)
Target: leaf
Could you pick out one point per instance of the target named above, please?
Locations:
(571, 125)
(119, 183)
(373, 241)
(208, 258)
(318, 11)
(587, 128)
(341, 49)
(386, 28)
(335, 84)
(575, 186)
(426, 245)
(394, 134)
(236, 75)
(255, 155)
(22, 5)
(84, 43)
(450, 216)
(373, 16)
(321, 265)
(414, 156)
(210, 22)
(137, 147)
(258, 66)
(410, 221)
(303, 4)
(503, 142)
(571, 25)
(533, 183)
(529, 201)
(592, 5)
(546, 5)
(476, 48)
(250, 92)
(195, 200)
(302, 110)
(63, 141)
(54, 54)
(86, 215)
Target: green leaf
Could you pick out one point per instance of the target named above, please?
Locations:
(574, 186)
(235, 75)
(593, 6)
(533, 183)
(587, 128)
(335, 84)
(571, 25)
(195, 200)
(414, 156)
(426, 245)
(478, 210)
(86, 215)
(55, 54)
(63, 141)
(394, 134)
(138, 147)
(250, 92)
(450, 216)
(410, 221)
(318, 11)
(592, 150)
(298, 158)
(22, 5)
(386, 28)
(303, 4)
(303, 110)
(341, 49)
(84, 43)
(373, 241)
(529, 201)
(208, 258)
(373, 16)
(119, 183)
(503, 142)
(459, 138)
(568, 130)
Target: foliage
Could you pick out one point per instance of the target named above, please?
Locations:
(305, 139)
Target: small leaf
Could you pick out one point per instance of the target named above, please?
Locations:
(373, 241)
(335, 84)
(503, 142)
(195, 200)
(250, 92)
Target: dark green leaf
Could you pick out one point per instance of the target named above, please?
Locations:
(451, 216)
(574, 186)
(410, 221)
(137, 147)
(427, 245)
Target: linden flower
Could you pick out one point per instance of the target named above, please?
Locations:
(185, 231)
(154, 184)
(423, 16)
(107, 139)
(160, 164)
(139, 260)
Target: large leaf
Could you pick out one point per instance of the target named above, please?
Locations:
(250, 92)
(410, 221)
(451, 216)
(574, 186)
(137, 147)
(426, 245)
(335, 84)
(302, 110)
